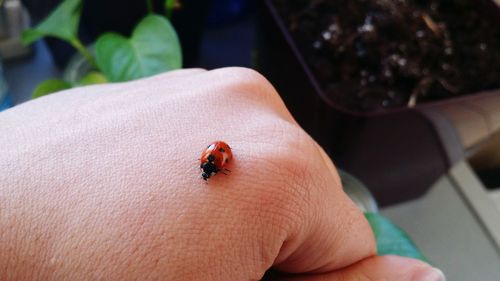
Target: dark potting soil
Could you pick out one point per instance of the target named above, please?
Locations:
(369, 55)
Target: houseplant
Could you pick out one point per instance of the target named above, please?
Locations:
(152, 48)
(399, 151)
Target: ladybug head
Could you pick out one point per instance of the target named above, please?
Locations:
(208, 170)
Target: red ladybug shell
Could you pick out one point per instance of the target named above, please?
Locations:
(220, 150)
(214, 158)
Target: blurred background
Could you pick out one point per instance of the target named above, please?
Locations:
(404, 95)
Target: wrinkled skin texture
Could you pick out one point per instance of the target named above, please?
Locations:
(103, 183)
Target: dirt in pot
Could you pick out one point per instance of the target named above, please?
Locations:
(369, 55)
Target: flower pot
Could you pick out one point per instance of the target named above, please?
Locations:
(5, 101)
(358, 192)
(398, 153)
(5, 97)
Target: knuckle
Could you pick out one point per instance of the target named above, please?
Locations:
(247, 83)
(242, 75)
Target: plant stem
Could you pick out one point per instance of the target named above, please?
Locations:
(84, 52)
(150, 6)
(169, 7)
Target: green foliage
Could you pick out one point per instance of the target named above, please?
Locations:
(92, 78)
(152, 48)
(61, 23)
(50, 86)
(392, 240)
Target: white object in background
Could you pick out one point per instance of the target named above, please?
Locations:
(456, 224)
(13, 20)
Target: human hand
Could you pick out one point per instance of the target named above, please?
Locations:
(103, 183)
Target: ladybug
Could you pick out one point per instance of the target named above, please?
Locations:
(214, 158)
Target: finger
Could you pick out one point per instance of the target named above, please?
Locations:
(388, 268)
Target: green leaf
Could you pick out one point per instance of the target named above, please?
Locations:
(392, 240)
(61, 23)
(93, 77)
(153, 48)
(50, 86)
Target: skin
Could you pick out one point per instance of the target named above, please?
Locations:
(103, 183)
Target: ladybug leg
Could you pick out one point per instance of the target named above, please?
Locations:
(205, 179)
(227, 170)
(221, 171)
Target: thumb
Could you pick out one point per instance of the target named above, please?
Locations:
(387, 268)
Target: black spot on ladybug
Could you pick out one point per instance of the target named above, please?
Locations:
(227, 160)
(211, 158)
(222, 149)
